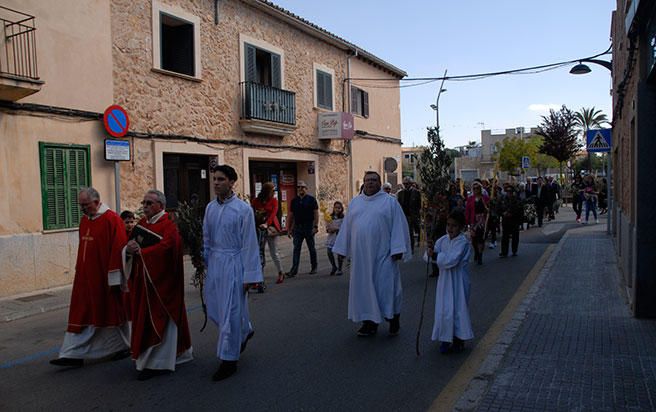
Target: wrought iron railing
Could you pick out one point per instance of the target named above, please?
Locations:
(19, 43)
(267, 103)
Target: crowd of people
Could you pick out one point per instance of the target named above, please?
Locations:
(128, 291)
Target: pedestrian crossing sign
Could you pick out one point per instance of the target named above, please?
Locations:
(598, 140)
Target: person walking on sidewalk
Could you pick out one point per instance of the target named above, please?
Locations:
(332, 227)
(97, 321)
(511, 211)
(153, 263)
(233, 264)
(590, 198)
(576, 190)
(375, 236)
(452, 325)
(303, 225)
(542, 199)
(266, 206)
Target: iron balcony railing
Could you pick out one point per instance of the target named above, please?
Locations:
(267, 103)
(19, 44)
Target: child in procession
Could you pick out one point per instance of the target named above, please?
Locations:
(332, 227)
(452, 252)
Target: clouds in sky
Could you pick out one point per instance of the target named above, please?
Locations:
(543, 108)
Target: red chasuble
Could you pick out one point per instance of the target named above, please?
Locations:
(93, 302)
(157, 289)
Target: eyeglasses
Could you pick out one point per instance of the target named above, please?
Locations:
(147, 203)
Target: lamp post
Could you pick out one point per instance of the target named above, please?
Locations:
(436, 106)
(584, 69)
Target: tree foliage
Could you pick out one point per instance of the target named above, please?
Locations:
(434, 164)
(589, 118)
(560, 135)
(511, 151)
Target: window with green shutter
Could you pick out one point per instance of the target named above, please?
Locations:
(64, 170)
(324, 82)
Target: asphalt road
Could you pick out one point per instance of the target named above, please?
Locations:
(305, 354)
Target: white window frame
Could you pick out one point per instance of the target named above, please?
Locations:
(331, 72)
(179, 14)
(261, 44)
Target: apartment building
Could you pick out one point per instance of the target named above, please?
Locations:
(242, 82)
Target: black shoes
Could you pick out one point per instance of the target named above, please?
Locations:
(245, 342)
(312, 271)
(122, 354)
(369, 328)
(226, 370)
(290, 274)
(146, 374)
(76, 363)
(395, 325)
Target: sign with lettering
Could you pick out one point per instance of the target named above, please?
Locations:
(335, 125)
(117, 150)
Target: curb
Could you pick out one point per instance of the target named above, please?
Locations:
(480, 382)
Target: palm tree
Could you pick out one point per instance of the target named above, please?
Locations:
(586, 119)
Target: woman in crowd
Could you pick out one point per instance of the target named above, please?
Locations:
(266, 207)
(332, 227)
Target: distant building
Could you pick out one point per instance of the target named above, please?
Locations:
(410, 161)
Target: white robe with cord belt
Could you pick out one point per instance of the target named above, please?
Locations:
(232, 258)
(374, 229)
(452, 293)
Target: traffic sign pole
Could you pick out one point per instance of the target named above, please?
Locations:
(117, 185)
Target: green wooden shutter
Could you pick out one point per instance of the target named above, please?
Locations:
(77, 178)
(324, 90)
(64, 170)
(250, 65)
(276, 75)
(354, 100)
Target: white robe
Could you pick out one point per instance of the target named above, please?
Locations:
(373, 230)
(232, 256)
(452, 293)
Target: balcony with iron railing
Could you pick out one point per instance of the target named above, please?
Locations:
(19, 76)
(267, 110)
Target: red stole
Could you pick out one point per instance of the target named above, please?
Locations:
(157, 289)
(99, 252)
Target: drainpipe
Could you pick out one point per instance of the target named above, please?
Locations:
(346, 106)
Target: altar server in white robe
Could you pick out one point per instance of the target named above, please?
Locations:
(232, 257)
(452, 321)
(374, 235)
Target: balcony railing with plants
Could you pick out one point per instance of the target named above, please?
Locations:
(261, 102)
(19, 43)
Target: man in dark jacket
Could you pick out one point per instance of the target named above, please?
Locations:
(542, 195)
(410, 200)
(511, 210)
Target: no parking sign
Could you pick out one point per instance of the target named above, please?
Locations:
(116, 121)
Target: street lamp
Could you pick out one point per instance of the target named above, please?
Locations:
(436, 106)
(584, 69)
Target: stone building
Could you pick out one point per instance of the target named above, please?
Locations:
(634, 149)
(242, 82)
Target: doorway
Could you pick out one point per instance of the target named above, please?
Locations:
(283, 177)
(187, 179)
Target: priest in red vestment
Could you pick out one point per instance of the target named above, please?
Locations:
(160, 332)
(97, 324)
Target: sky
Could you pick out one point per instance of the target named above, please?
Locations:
(427, 37)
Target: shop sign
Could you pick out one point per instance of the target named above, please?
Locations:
(335, 125)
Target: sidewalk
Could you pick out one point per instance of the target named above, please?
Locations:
(29, 304)
(573, 343)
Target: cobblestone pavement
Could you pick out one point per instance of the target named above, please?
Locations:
(578, 346)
